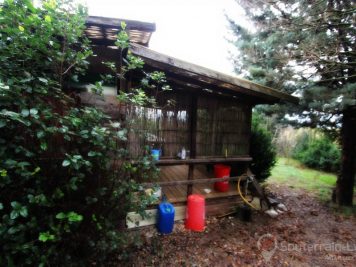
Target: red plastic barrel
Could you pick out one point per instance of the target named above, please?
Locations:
(221, 171)
(195, 214)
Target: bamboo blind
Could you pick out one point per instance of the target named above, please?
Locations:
(223, 127)
(165, 127)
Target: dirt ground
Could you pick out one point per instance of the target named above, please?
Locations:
(309, 234)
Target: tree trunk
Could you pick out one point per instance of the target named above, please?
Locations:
(346, 178)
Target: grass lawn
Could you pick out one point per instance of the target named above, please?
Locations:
(293, 174)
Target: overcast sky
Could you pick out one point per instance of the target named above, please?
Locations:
(192, 30)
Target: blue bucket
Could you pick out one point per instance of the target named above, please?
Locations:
(165, 221)
(155, 153)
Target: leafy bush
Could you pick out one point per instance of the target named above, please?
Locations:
(319, 153)
(262, 149)
(62, 194)
(286, 138)
(302, 141)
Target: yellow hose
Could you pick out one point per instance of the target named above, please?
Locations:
(243, 198)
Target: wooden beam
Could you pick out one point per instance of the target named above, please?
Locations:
(172, 162)
(193, 139)
(191, 179)
(188, 84)
(109, 43)
(167, 162)
(204, 81)
(191, 85)
(212, 208)
(196, 181)
(193, 125)
(207, 82)
(206, 75)
(133, 219)
(118, 65)
(208, 197)
(116, 23)
(103, 31)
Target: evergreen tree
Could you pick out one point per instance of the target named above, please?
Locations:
(307, 47)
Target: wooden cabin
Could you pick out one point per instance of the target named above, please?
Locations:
(211, 117)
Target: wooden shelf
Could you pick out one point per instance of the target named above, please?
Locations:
(165, 162)
(212, 195)
(196, 181)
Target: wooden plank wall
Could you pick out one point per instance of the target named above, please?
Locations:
(178, 193)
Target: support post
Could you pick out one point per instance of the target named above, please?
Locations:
(346, 179)
(193, 139)
(121, 83)
(118, 73)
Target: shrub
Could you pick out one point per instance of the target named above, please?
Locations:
(286, 138)
(262, 149)
(319, 153)
(62, 195)
(303, 140)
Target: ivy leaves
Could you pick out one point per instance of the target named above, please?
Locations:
(66, 220)
(38, 123)
(76, 161)
(29, 112)
(18, 210)
(122, 40)
(59, 175)
(71, 216)
(46, 236)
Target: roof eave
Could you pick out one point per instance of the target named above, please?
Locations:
(103, 30)
(224, 81)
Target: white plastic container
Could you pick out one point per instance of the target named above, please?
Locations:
(183, 153)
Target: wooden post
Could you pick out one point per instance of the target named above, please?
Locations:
(121, 82)
(190, 177)
(118, 63)
(193, 141)
(122, 85)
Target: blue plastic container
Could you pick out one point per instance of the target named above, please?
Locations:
(155, 153)
(165, 218)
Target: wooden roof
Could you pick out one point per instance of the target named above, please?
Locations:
(201, 78)
(103, 31)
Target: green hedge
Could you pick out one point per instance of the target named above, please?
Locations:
(262, 149)
(61, 198)
(320, 153)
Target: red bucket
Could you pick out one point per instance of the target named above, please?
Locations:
(222, 171)
(195, 213)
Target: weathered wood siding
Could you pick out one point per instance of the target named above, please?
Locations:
(223, 126)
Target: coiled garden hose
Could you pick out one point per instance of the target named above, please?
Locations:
(241, 195)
